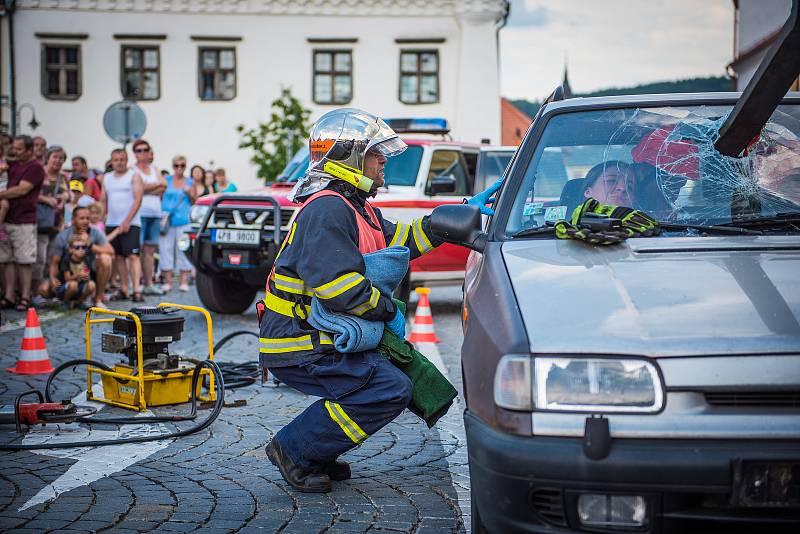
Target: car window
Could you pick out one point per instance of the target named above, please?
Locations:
(661, 161)
(491, 165)
(471, 158)
(296, 167)
(403, 168)
(448, 163)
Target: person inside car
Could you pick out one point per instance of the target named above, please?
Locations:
(611, 182)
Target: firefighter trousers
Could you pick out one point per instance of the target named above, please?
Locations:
(361, 393)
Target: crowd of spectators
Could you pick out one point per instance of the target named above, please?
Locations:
(82, 237)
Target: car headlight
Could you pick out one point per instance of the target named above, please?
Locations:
(522, 382)
(197, 213)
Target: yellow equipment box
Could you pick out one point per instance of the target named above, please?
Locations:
(123, 385)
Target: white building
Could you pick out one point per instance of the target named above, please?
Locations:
(199, 68)
(757, 24)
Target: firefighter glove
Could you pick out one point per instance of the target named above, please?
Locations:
(486, 197)
(566, 230)
(635, 222)
(397, 326)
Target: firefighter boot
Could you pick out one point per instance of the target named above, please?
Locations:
(301, 479)
(337, 470)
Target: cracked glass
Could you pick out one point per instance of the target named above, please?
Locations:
(661, 160)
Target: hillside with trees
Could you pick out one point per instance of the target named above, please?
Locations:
(691, 85)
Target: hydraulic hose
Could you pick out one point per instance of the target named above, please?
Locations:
(215, 411)
(227, 376)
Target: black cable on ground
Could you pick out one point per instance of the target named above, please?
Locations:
(238, 375)
(219, 383)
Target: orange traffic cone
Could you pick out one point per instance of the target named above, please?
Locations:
(33, 358)
(422, 329)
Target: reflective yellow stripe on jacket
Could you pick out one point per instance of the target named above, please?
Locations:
(336, 287)
(420, 239)
(363, 308)
(400, 235)
(291, 285)
(285, 344)
(286, 307)
(348, 426)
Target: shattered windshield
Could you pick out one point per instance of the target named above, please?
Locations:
(662, 161)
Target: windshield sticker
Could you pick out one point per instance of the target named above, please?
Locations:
(555, 213)
(533, 208)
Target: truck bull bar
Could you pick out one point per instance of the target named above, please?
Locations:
(276, 237)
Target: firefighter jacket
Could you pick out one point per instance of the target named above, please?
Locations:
(322, 256)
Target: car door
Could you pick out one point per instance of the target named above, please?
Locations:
(448, 162)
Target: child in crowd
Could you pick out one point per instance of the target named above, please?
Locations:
(74, 274)
(96, 216)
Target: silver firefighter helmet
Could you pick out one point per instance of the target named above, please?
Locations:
(338, 145)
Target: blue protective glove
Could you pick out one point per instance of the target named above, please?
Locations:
(397, 326)
(485, 197)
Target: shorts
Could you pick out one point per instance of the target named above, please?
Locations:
(20, 247)
(40, 271)
(62, 289)
(151, 230)
(125, 244)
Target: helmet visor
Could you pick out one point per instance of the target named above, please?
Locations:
(389, 147)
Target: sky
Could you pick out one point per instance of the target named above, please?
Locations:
(611, 43)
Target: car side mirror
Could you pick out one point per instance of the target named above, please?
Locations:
(443, 184)
(459, 224)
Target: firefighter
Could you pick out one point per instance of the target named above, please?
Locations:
(322, 256)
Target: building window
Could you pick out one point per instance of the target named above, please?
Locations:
(333, 76)
(419, 76)
(217, 74)
(61, 71)
(141, 72)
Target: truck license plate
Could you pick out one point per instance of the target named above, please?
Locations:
(239, 237)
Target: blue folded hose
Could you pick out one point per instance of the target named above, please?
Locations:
(385, 268)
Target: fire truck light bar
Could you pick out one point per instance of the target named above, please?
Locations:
(420, 125)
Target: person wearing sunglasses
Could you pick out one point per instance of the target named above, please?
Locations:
(175, 206)
(150, 211)
(74, 279)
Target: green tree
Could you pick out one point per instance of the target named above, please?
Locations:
(273, 143)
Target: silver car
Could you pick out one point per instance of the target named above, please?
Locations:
(651, 385)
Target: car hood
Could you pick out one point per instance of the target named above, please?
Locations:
(659, 296)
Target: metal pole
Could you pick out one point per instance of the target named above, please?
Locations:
(127, 137)
(12, 94)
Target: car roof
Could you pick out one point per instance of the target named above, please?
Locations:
(655, 99)
(501, 148)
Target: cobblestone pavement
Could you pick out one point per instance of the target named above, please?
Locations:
(407, 478)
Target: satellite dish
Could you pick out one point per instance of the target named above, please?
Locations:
(124, 121)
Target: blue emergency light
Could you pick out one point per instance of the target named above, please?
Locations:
(430, 125)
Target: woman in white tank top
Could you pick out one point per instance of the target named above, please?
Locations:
(150, 212)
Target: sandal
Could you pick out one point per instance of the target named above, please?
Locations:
(6, 304)
(118, 295)
(137, 297)
(23, 305)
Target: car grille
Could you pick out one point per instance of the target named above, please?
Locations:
(249, 218)
(549, 504)
(782, 399)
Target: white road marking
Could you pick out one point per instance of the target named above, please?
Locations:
(93, 463)
(20, 323)
(452, 420)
